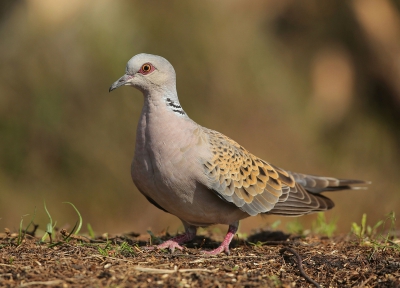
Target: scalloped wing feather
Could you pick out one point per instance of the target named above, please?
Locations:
(239, 177)
(256, 186)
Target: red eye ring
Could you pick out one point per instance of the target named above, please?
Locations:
(146, 69)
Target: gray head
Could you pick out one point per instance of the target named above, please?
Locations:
(148, 72)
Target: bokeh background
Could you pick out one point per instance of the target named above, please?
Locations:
(311, 86)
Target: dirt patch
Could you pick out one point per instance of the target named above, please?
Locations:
(335, 262)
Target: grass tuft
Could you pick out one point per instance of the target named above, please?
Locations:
(364, 231)
(22, 233)
(321, 227)
(376, 235)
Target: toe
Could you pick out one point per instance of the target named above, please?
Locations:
(216, 251)
(171, 245)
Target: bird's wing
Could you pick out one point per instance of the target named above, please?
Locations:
(239, 177)
(256, 186)
(298, 201)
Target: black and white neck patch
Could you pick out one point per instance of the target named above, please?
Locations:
(176, 107)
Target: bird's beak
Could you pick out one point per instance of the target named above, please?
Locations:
(120, 82)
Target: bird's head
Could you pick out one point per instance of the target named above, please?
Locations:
(147, 72)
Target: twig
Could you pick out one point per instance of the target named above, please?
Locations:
(284, 243)
(299, 265)
(366, 281)
(49, 283)
(109, 258)
(7, 265)
(73, 236)
(32, 233)
(169, 271)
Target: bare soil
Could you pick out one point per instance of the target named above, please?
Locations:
(81, 262)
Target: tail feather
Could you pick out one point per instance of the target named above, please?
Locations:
(305, 196)
(318, 184)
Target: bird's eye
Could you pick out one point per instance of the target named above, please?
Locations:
(146, 68)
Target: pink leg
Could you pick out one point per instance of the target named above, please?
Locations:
(225, 244)
(171, 244)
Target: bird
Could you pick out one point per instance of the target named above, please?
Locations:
(202, 176)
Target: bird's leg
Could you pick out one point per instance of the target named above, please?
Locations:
(227, 240)
(171, 244)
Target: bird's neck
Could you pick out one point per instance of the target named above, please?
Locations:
(162, 118)
(163, 101)
(161, 112)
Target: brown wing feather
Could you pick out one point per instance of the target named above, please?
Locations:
(299, 202)
(256, 186)
(242, 178)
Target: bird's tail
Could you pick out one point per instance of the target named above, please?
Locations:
(318, 184)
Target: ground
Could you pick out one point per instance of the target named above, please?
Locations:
(121, 261)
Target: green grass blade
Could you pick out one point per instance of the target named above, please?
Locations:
(21, 234)
(66, 238)
(90, 231)
(50, 219)
(80, 218)
(49, 230)
(363, 225)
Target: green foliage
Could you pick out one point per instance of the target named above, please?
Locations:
(275, 279)
(275, 224)
(375, 237)
(21, 233)
(80, 218)
(125, 249)
(295, 227)
(105, 251)
(321, 227)
(50, 226)
(257, 244)
(113, 250)
(90, 231)
(391, 217)
(241, 235)
(66, 238)
(363, 230)
(109, 249)
(386, 241)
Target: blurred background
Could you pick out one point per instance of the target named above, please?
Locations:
(310, 86)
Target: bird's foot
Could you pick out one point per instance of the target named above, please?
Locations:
(174, 243)
(222, 247)
(171, 245)
(225, 244)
